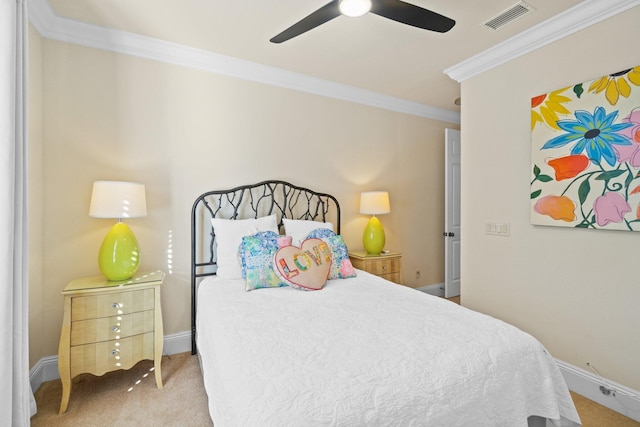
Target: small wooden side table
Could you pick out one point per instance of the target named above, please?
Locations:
(108, 326)
(388, 266)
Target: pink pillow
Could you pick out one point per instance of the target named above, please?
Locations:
(306, 267)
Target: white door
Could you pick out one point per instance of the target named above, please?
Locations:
(452, 214)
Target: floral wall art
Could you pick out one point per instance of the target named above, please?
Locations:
(585, 143)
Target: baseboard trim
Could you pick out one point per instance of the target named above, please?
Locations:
(177, 343)
(621, 399)
(437, 289)
(46, 369)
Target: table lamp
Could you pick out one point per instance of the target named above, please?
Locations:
(374, 203)
(119, 255)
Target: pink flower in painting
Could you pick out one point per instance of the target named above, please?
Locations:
(630, 153)
(610, 208)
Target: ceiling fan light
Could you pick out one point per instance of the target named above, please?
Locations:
(354, 8)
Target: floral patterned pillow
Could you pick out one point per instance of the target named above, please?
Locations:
(341, 267)
(256, 255)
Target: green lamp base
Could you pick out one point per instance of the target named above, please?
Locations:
(373, 237)
(119, 255)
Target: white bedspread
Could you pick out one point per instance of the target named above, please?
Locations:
(365, 352)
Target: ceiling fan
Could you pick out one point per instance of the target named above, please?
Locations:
(395, 10)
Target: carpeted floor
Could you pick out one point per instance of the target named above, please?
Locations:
(130, 398)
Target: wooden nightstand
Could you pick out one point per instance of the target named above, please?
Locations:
(388, 265)
(108, 326)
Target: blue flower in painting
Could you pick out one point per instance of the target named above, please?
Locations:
(594, 132)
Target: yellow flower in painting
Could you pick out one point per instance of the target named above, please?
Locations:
(545, 108)
(616, 85)
(560, 208)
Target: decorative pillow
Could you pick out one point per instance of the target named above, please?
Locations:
(257, 254)
(281, 241)
(284, 241)
(305, 267)
(299, 228)
(229, 233)
(341, 267)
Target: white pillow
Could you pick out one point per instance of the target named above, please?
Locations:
(298, 229)
(229, 234)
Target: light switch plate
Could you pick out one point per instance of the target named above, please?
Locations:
(497, 229)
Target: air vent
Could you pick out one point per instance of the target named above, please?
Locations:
(511, 14)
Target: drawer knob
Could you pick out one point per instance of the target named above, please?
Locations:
(116, 305)
(384, 267)
(115, 329)
(115, 352)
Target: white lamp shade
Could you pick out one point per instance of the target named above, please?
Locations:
(117, 199)
(374, 203)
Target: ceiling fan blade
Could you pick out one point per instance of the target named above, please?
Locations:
(410, 14)
(324, 14)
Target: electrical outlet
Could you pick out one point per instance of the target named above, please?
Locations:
(605, 390)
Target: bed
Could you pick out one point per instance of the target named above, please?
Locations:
(360, 351)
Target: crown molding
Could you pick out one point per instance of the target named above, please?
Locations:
(581, 16)
(53, 27)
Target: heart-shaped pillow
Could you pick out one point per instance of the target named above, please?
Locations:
(306, 267)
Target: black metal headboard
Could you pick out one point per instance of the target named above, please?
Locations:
(249, 201)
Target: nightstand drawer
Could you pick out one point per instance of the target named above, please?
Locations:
(384, 266)
(111, 328)
(387, 266)
(394, 277)
(106, 356)
(111, 304)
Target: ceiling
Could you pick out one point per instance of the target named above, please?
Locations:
(370, 52)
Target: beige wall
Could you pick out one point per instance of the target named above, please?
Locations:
(575, 290)
(182, 132)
